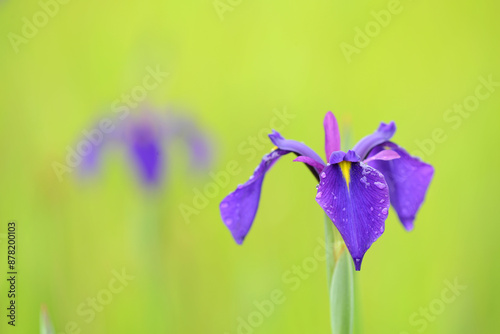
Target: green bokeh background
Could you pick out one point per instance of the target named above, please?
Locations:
(231, 74)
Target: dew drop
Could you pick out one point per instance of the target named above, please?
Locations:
(371, 208)
(384, 211)
(364, 181)
(382, 201)
(379, 185)
(343, 209)
(323, 175)
(318, 195)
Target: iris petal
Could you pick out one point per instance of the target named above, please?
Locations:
(332, 135)
(310, 161)
(239, 208)
(383, 155)
(145, 150)
(355, 197)
(294, 146)
(408, 179)
(383, 133)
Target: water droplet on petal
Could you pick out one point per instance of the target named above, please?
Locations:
(371, 208)
(379, 185)
(318, 195)
(229, 221)
(343, 209)
(323, 175)
(384, 211)
(382, 201)
(364, 181)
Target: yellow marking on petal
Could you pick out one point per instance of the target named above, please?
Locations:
(387, 148)
(274, 148)
(345, 167)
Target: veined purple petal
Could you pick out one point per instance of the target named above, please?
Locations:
(385, 155)
(310, 161)
(408, 179)
(383, 133)
(294, 146)
(355, 197)
(239, 208)
(332, 135)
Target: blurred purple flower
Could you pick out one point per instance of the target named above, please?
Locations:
(355, 188)
(146, 137)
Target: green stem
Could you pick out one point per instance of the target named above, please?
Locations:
(340, 274)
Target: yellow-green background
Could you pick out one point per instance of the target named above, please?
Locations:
(231, 74)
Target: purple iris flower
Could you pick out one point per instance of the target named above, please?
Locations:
(355, 187)
(145, 136)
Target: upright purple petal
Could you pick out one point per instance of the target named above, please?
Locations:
(239, 208)
(355, 197)
(383, 134)
(408, 179)
(332, 134)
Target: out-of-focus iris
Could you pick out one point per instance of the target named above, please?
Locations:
(147, 137)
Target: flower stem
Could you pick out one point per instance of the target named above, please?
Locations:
(340, 274)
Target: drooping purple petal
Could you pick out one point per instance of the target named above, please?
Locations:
(383, 133)
(145, 150)
(239, 208)
(199, 143)
(355, 197)
(332, 134)
(408, 179)
(294, 146)
(385, 155)
(310, 161)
